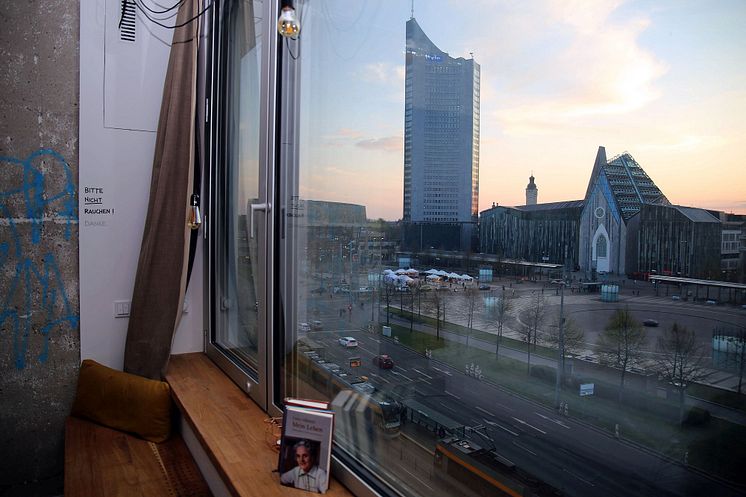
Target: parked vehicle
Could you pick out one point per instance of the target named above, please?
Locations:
(383, 361)
(316, 325)
(304, 327)
(484, 286)
(348, 342)
(650, 322)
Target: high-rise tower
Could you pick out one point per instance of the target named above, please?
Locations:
(532, 193)
(441, 144)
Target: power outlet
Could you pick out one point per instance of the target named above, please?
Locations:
(122, 308)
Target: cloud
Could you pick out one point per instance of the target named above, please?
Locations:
(597, 64)
(686, 143)
(383, 72)
(386, 144)
(345, 137)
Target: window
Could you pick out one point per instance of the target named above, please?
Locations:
(328, 253)
(240, 178)
(601, 246)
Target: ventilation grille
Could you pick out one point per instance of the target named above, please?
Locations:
(127, 30)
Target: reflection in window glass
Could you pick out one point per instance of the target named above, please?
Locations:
(237, 289)
(452, 315)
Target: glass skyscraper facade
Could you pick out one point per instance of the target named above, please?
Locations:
(441, 138)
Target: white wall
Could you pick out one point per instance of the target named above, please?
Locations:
(116, 153)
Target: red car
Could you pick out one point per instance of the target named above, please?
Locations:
(383, 361)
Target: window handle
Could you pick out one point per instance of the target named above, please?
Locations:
(266, 207)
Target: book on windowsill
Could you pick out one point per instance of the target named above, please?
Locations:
(311, 404)
(306, 445)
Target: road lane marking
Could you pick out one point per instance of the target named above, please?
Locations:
(488, 413)
(423, 374)
(442, 371)
(492, 423)
(368, 351)
(415, 477)
(380, 377)
(524, 448)
(400, 368)
(403, 376)
(578, 477)
(503, 428)
(529, 425)
(454, 396)
(449, 408)
(553, 420)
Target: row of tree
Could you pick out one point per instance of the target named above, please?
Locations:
(678, 358)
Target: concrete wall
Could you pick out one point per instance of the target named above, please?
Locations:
(55, 310)
(39, 334)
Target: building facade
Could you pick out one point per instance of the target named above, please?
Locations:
(675, 241)
(536, 233)
(616, 190)
(441, 145)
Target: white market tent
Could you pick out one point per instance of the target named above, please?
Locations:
(433, 277)
(466, 277)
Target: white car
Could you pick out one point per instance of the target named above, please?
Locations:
(348, 342)
(304, 327)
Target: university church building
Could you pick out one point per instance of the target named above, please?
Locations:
(624, 225)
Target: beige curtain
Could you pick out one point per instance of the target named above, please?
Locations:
(161, 271)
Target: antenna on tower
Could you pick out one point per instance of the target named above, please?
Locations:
(412, 9)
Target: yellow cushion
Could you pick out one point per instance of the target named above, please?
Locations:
(123, 401)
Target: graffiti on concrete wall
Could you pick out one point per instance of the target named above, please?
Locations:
(35, 192)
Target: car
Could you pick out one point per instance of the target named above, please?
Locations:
(650, 322)
(304, 327)
(711, 302)
(383, 361)
(316, 325)
(675, 297)
(484, 286)
(348, 342)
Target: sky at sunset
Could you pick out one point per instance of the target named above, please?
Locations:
(664, 81)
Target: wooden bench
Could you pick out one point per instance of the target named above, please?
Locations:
(103, 462)
(230, 428)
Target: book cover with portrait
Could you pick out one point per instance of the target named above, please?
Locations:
(306, 448)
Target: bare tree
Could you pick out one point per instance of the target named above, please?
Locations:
(437, 304)
(536, 315)
(527, 333)
(621, 343)
(573, 337)
(388, 291)
(499, 314)
(681, 361)
(471, 295)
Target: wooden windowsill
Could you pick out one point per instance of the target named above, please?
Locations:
(230, 428)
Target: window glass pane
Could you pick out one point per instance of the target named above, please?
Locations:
(237, 308)
(503, 281)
